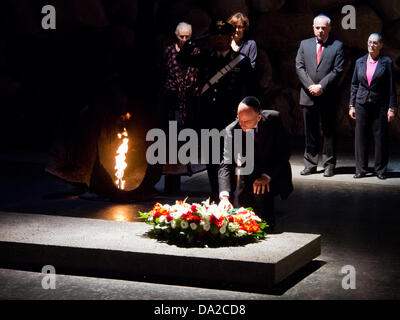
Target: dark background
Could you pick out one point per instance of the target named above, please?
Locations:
(99, 47)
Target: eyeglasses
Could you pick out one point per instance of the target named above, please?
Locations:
(247, 123)
(373, 43)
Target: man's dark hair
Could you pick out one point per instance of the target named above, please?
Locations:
(253, 103)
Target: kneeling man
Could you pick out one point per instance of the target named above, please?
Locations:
(271, 174)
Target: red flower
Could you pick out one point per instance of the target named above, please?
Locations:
(193, 208)
(156, 215)
(169, 218)
(218, 222)
(187, 216)
(250, 226)
(196, 219)
(159, 210)
(231, 218)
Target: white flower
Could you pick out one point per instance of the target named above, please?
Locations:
(161, 219)
(193, 226)
(233, 226)
(222, 230)
(173, 224)
(241, 232)
(206, 226)
(206, 216)
(184, 224)
(218, 212)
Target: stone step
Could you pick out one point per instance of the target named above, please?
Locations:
(121, 250)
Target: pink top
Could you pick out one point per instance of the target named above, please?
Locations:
(371, 66)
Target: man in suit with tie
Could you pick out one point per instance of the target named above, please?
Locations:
(319, 62)
(271, 174)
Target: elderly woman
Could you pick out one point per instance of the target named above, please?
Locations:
(373, 104)
(240, 41)
(179, 86)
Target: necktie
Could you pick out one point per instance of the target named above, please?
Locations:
(319, 53)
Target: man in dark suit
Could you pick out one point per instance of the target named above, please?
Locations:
(271, 174)
(222, 87)
(319, 62)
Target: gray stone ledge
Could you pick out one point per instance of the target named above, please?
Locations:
(121, 250)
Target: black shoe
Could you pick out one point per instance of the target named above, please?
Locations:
(359, 175)
(271, 225)
(329, 172)
(307, 172)
(381, 176)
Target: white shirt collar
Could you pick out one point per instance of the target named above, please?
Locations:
(316, 40)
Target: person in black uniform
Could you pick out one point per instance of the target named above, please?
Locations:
(225, 76)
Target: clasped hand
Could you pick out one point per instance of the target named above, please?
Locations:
(315, 90)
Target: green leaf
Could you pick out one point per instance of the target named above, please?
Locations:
(143, 215)
(214, 229)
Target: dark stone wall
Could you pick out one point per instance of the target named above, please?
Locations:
(47, 74)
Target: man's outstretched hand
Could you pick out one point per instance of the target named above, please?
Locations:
(261, 184)
(225, 204)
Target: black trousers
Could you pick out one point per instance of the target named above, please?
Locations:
(371, 117)
(212, 172)
(317, 117)
(263, 204)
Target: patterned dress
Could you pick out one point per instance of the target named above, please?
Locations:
(180, 87)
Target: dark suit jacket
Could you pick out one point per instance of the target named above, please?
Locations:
(271, 156)
(326, 73)
(382, 90)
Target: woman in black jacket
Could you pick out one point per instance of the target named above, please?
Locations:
(373, 104)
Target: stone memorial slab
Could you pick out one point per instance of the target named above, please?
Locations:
(122, 250)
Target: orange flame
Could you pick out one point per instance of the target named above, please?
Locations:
(126, 117)
(120, 163)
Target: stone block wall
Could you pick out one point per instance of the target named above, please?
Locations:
(43, 72)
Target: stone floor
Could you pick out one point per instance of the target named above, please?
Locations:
(358, 221)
